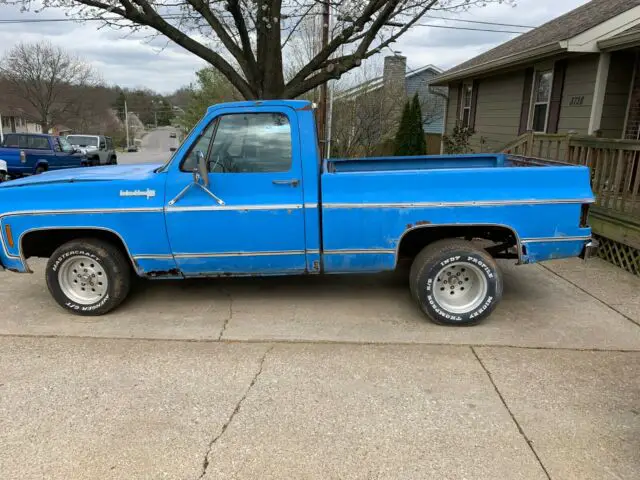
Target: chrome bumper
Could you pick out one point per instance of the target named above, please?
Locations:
(590, 249)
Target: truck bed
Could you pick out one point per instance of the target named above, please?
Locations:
(368, 204)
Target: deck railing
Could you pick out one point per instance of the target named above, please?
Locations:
(615, 164)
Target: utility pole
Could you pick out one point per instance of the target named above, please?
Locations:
(126, 122)
(322, 110)
(1, 133)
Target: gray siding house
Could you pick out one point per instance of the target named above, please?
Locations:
(367, 115)
(574, 74)
(567, 90)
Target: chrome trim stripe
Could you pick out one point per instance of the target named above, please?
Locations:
(152, 256)
(239, 254)
(482, 203)
(208, 208)
(310, 205)
(81, 211)
(313, 252)
(555, 239)
(372, 251)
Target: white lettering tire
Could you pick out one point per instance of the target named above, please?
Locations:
(455, 283)
(88, 277)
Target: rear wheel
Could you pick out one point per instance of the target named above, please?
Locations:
(113, 160)
(455, 282)
(88, 277)
(40, 169)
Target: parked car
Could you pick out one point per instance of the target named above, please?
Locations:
(31, 153)
(172, 135)
(98, 148)
(4, 172)
(132, 148)
(246, 194)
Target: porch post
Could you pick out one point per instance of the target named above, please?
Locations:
(599, 91)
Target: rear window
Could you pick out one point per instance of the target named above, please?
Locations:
(83, 141)
(35, 143)
(11, 141)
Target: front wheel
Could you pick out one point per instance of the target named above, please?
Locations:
(455, 282)
(88, 277)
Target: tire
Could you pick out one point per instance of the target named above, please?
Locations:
(93, 259)
(40, 169)
(476, 284)
(113, 160)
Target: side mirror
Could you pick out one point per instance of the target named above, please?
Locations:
(202, 170)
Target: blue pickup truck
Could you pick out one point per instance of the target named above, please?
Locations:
(246, 194)
(33, 153)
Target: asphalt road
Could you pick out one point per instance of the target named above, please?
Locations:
(155, 148)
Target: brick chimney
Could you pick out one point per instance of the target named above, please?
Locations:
(394, 90)
(395, 70)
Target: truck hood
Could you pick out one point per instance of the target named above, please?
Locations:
(87, 174)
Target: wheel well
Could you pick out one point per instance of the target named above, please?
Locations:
(498, 240)
(42, 243)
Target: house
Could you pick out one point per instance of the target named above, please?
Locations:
(567, 90)
(15, 120)
(576, 73)
(368, 114)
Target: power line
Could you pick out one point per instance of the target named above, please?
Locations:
(467, 28)
(177, 17)
(480, 22)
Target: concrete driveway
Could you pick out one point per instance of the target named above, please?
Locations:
(337, 377)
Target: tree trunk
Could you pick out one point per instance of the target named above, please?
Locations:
(271, 77)
(45, 127)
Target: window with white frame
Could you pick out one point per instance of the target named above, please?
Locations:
(465, 110)
(540, 100)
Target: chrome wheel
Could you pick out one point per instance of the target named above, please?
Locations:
(460, 287)
(83, 280)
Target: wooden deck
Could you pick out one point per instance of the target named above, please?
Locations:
(615, 179)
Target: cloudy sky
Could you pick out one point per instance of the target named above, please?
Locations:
(132, 60)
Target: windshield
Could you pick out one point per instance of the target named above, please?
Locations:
(65, 145)
(83, 141)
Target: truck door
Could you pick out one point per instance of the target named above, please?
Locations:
(254, 164)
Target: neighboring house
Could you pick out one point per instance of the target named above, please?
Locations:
(368, 114)
(61, 130)
(578, 73)
(569, 90)
(17, 121)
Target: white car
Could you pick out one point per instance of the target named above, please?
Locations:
(4, 172)
(98, 148)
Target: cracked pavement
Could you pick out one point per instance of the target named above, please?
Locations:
(327, 378)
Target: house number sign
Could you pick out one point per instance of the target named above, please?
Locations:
(576, 100)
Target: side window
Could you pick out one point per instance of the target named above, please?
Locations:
(39, 143)
(12, 141)
(109, 143)
(56, 145)
(251, 143)
(191, 160)
(103, 144)
(24, 141)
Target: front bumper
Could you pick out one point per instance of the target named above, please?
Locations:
(590, 249)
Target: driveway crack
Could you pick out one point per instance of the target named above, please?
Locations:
(513, 417)
(236, 410)
(229, 317)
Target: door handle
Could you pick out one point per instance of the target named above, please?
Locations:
(294, 182)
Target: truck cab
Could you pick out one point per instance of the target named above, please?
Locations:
(246, 193)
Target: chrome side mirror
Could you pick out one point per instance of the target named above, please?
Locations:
(202, 170)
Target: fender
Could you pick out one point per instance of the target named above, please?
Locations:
(41, 163)
(419, 227)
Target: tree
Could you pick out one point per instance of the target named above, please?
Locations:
(46, 77)
(410, 137)
(246, 40)
(403, 137)
(417, 134)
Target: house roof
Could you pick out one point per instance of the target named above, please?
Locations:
(377, 82)
(546, 38)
